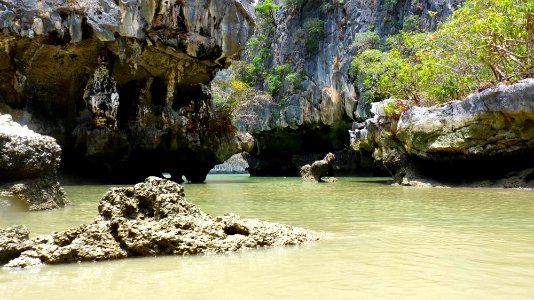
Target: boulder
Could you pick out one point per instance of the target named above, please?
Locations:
(28, 166)
(154, 218)
(481, 140)
(315, 171)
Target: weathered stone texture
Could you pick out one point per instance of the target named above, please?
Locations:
(148, 219)
(121, 85)
(319, 168)
(28, 168)
(326, 98)
(486, 138)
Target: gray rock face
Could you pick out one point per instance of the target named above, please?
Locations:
(492, 122)
(28, 165)
(121, 85)
(153, 218)
(488, 137)
(234, 165)
(319, 168)
(326, 97)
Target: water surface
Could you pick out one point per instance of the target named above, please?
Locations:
(385, 242)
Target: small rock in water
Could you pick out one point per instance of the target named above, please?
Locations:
(316, 171)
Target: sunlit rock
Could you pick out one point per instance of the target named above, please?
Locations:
(28, 166)
(154, 218)
(12, 242)
(487, 138)
(319, 168)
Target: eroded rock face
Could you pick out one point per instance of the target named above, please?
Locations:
(122, 85)
(326, 98)
(487, 138)
(153, 218)
(28, 166)
(319, 168)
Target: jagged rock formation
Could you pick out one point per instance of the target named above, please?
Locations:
(12, 242)
(121, 85)
(326, 103)
(28, 166)
(151, 218)
(485, 140)
(319, 168)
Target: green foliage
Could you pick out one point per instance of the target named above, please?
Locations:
(229, 94)
(273, 83)
(314, 33)
(293, 3)
(390, 4)
(395, 109)
(281, 74)
(412, 23)
(366, 40)
(326, 7)
(329, 5)
(482, 41)
(266, 9)
(295, 80)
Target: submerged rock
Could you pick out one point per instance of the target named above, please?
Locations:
(315, 171)
(28, 166)
(487, 139)
(153, 218)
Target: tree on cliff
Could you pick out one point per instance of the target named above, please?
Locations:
(483, 42)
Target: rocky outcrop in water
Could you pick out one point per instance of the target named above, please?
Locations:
(319, 168)
(121, 85)
(485, 140)
(325, 102)
(148, 219)
(28, 166)
(13, 241)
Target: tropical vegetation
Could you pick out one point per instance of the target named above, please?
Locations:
(483, 43)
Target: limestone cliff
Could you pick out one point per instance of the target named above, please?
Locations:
(326, 102)
(121, 85)
(486, 139)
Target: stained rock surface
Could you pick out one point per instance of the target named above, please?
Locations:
(487, 139)
(122, 85)
(28, 167)
(153, 218)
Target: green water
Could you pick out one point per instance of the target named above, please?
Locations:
(385, 242)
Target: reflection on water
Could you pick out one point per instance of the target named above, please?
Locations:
(384, 242)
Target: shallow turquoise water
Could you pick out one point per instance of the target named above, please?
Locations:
(384, 242)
